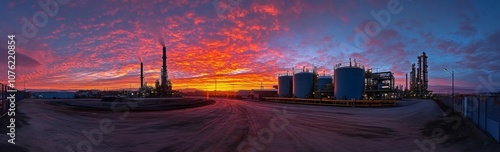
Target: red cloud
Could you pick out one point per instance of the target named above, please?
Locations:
(265, 8)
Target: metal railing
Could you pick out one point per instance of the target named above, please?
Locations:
(482, 110)
(349, 64)
(285, 74)
(303, 70)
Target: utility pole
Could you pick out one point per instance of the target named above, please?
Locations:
(452, 83)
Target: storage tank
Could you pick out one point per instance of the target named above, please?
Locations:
(323, 81)
(349, 81)
(303, 84)
(285, 86)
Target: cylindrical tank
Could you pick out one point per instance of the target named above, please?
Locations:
(349, 82)
(303, 84)
(323, 81)
(285, 86)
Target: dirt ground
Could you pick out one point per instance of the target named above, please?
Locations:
(239, 125)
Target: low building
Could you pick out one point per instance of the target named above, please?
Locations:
(242, 94)
(261, 93)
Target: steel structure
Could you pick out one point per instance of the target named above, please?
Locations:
(419, 78)
(325, 86)
(380, 85)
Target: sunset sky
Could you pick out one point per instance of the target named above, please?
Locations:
(99, 44)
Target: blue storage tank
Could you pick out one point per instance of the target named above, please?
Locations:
(303, 84)
(285, 86)
(349, 81)
(323, 81)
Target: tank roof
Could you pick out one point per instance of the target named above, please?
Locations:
(349, 65)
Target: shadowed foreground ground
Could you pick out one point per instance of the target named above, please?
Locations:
(236, 125)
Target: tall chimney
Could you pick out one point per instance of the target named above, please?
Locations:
(164, 69)
(142, 76)
(413, 82)
(419, 75)
(406, 87)
(425, 72)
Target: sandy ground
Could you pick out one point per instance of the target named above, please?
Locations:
(236, 125)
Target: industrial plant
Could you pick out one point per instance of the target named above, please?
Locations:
(350, 85)
(418, 79)
(163, 87)
(350, 81)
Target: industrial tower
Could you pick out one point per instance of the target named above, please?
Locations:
(419, 78)
(166, 85)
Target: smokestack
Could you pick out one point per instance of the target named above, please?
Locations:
(413, 82)
(425, 72)
(142, 76)
(419, 75)
(164, 69)
(406, 87)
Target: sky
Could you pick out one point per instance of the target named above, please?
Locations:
(93, 44)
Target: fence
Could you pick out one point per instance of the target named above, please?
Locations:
(4, 102)
(482, 110)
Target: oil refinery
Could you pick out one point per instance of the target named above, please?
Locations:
(163, 88)
(352, 82)
(250, 76)
(419, 80)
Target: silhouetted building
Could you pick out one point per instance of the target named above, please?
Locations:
(419, 79)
